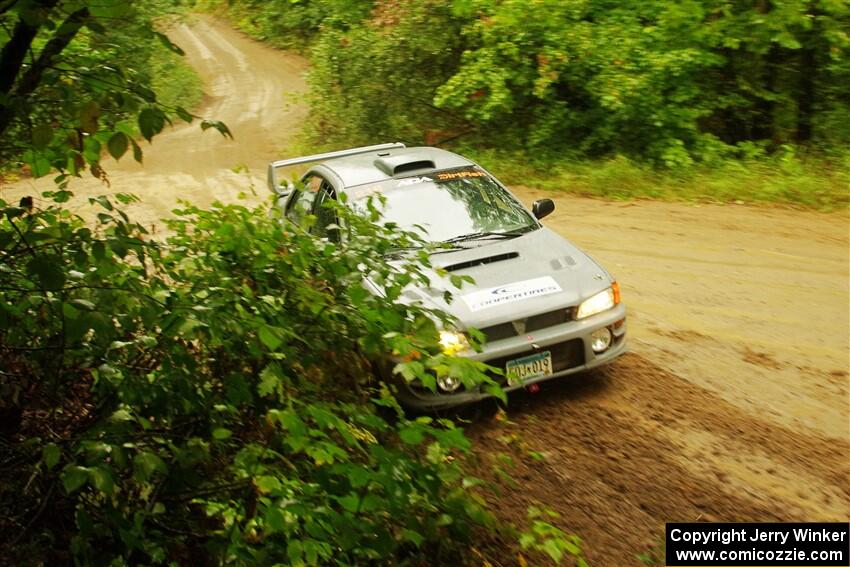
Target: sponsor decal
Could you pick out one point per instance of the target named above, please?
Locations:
(413, 181)
(463, 174)
(510, 293)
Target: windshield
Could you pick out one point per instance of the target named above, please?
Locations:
(448, 204)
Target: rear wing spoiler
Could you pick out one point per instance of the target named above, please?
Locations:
(278, 189)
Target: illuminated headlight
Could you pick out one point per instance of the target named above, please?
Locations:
(600, 302)
(448, 383)
(453, 342)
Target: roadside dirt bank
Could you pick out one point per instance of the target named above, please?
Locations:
(733, 404)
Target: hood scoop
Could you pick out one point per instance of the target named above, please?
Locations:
(408, 162)
(480, 261)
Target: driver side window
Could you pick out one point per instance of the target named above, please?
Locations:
(325, 215)
(301, 203)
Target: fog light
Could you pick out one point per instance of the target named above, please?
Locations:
(448, 383)
(600, 339)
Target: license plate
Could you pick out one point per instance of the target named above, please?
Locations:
(529, 367)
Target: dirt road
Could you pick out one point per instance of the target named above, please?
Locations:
(733, 404)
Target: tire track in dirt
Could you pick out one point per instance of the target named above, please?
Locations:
(633, 446)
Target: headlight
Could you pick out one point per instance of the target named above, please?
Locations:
(453, 342)
(600, 302)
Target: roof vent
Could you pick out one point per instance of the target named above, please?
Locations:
(405, 163)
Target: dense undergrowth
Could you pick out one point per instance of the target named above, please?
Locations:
(695, 100)
(211, 399)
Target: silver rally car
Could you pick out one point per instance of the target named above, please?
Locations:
(546, 308)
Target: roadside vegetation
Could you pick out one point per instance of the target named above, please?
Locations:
(83, 79)
(748, 101)
(210, 397)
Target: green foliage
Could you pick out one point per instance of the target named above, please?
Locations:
(545, 538)
(376, 80)
(81, 80)
(290, 24)
(804, 180)
(212, 399)
(671, 83)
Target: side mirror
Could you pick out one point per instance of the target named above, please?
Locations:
(542, 208)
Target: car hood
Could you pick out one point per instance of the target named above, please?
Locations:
(534, 273)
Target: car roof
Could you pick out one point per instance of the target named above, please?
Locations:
(391, 163)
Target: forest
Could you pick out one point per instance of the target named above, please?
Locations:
(750, 99)
(669, 84)
(209, 397)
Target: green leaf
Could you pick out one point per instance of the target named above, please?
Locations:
(109, 9)
(553, 550)
(358, 476)
(151, 122)
(88, 115)
(217, 125)
(84, 304)
(137, 151)
(415, 537)
(411, 435)
(146, 464)
(269, 380)
(42, 135)
(120, 415)
(40, 166)
(295, 551)
(350, 502)
(101, 479)
(91, 149)
(118, 144)
(221, 433)
(74, 477)
(269, 337)
(98, 250)
(51, 454)
(267, 483)
(103, 201)
(48, 270)
(290, 420)
(69, 311)
(184, 114)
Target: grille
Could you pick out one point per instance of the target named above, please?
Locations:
(568, 354)
(533, 323)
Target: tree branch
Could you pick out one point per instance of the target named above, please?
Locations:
(11, 59)
(66, 32)
(12, 56)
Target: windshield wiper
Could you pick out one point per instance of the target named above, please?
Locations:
(487, 234)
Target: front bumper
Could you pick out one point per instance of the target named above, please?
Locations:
(569, 344)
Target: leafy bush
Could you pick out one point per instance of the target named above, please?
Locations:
(670, 83)
(290, 24)
(81, 79)
(210, 399)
